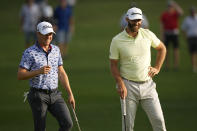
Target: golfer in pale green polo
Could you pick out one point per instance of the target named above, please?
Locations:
(132, 50)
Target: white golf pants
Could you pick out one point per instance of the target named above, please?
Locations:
(146, 95)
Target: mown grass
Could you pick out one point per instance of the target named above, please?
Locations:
(97, 103)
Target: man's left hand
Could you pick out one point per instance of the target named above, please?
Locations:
(71, 100)
(153, 71)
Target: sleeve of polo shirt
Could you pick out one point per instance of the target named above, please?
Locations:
(114, 52)
(60, 61)
(154, 40)
(26, 61)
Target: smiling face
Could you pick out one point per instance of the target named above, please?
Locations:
(44, 40)
(134, 25)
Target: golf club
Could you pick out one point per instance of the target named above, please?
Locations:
(124, 112)
(75, 116)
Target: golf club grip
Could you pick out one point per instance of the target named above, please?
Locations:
(124, 106)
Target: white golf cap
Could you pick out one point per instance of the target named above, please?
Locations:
(134, 14)
(45, 28)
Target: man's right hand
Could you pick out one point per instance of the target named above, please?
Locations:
(24, 74)
(122, 91)
(45, 70)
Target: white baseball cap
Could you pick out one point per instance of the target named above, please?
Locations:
(45, 28)
(134, 14)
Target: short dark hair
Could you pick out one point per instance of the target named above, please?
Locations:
(47, 19)
(133, 4)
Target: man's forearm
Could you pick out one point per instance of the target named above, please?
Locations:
(178, 8)
(24, 75)
(65, 81)
(66, 84)
(116, 73)
(161, 53)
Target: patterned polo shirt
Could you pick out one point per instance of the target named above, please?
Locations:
(35, 57)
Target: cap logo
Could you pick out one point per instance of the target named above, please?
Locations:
(46, 26)
(136, 14)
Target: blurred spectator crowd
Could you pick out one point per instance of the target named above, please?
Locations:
(62, 19)
(169, 21)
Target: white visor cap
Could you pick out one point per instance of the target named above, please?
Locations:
(45, 28)
(134, 14)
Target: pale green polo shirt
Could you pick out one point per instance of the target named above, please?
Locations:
(134, 54)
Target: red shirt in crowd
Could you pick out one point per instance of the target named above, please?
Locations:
(170, 20)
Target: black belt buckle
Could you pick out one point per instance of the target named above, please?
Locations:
(48, 91)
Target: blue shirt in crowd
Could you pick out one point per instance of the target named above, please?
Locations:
(35, 57)
(63, 16)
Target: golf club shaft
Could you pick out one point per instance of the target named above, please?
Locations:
(124, 112)
(76, 119)
(124, 107)
(125, 128)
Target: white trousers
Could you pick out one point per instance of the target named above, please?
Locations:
(146, 95)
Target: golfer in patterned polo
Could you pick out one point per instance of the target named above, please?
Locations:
(42, 65)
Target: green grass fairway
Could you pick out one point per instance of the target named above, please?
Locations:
(97, 103)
